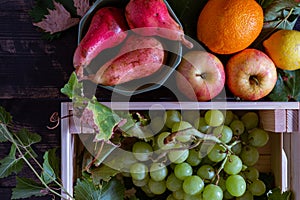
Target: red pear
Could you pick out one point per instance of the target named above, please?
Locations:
(108, 29)
(151, 17)
(138, 57)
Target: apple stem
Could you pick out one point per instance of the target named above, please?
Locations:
(201, 75)
(254, 79)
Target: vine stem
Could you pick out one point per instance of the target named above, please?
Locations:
(40, 166)
(22, 156)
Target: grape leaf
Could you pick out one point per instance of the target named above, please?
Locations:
(3, 133)
(287, 87)
(5, 117)
(105, 119)
(27, 138)
(86, 190)
(10, 164)
(104, 173)
(82, 6)
(58, 19)
(73, 87)
(276, 194)
(26, 188)
(50, 166)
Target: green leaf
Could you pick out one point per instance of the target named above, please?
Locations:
(86, 190)
(5, 117)
(4, 133)
(287, 87)
(27, 138)
(264, 3)
(103, 173)
(73, 88)
(50, 166)
(26, 188)
(10, 164)
(276, 194)
(281, 14)
(278, 14)
(104, 118)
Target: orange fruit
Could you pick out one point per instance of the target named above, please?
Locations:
(229, 26)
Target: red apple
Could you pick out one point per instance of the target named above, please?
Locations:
(251, 74)
(203, 72)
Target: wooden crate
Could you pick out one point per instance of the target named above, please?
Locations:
(282, 120)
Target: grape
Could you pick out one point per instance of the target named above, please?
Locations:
(147, 191)
(178, 156)
(201, 125)
(214, 118)
(244, 137)
(160, 140)
(249, 155)
(158, 171)
(250, 120)
(205, 148)
(206, 172)
(251, 173)
(193, 158)
(179, 194)
(138, 171)
(237, 148)
(179, 126)
(172, 116)
(157, 187)
(227, 195)
(246, 196)
(190, 115)
(170, 197)
(193, 185)
(192, 197)
(173, 183)
(212, 191)
(233, 165)
(257, 187)
(224, 133)
(217, 153)
(236, 185)
(228, 117)
(258, 137)
(142, 182)
(142, 151)
(183, 170)
(237, 127)
(157, 124)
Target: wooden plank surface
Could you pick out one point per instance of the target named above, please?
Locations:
(32, 71)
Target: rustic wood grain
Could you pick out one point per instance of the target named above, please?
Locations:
(33, 70)
(33, 115)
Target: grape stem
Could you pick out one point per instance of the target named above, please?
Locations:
(163, 155)
(220, 168)
(203, 136)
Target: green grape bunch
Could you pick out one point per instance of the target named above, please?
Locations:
(210, 156)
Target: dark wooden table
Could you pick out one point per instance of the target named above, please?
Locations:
(31, 74)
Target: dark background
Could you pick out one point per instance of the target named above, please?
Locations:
(32, 72)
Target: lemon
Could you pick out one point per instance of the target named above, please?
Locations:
(283, 47)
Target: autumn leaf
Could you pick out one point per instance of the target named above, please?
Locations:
(58, 19)
(82, 6)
